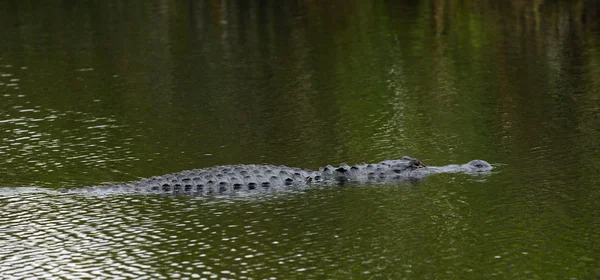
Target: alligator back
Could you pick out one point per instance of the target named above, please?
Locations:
(385, 171)
(214, 180)
(228, 179)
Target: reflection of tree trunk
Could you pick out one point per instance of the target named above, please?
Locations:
(439, 16)
(197, 10)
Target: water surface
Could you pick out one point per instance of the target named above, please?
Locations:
(113, 91)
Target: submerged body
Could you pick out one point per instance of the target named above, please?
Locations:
(229, 179)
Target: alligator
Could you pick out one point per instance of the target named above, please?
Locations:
(230, 179)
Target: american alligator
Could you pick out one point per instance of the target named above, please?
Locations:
(228, 179)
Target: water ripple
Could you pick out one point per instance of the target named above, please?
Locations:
(39, 141)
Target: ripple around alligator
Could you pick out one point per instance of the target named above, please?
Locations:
(322, 232)
(154, 236)
(308, 234)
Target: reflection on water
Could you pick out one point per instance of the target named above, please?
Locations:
(113, 91)
(444, 227)
(282, 236)
(40, 142)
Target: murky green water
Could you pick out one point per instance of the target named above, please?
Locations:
(112, 91)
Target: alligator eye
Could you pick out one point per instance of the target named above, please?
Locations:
(417, 164)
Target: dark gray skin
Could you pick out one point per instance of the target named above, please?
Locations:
(229, 179)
